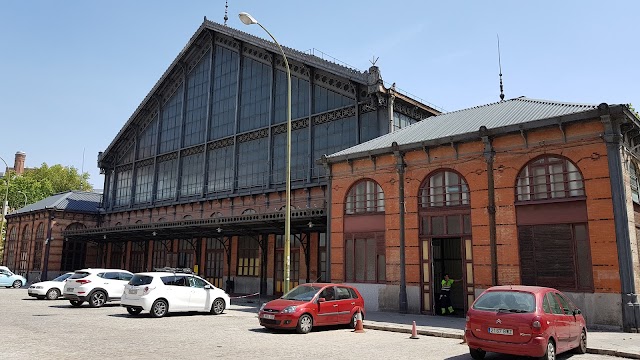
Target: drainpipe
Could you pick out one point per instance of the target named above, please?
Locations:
(400, 165)
(613, 138)
(392, 98)
(45, 268)
(489, 156)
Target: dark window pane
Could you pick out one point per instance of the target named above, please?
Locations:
(256, 95)
(252, 163)
(171, 123)
(123, 187)
(349, 261)
(225, 89)
(197, 96)
(192, 175)
(467, 224)
(167, 179)
(453, 225)
(437, 225)
(144, 184)
(360, 261)
(220, 169)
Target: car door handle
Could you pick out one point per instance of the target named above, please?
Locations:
(335, 305)
(353, 303)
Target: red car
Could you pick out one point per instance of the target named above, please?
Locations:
(524, 320)
(309, 305)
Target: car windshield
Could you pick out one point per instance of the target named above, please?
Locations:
(506, 301)
(62, 277)
(302, 293)
(138, 280)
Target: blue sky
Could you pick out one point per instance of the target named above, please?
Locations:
(72, 72)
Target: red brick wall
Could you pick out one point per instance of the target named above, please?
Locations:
(583, 147)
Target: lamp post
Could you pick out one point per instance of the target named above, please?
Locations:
(25, 197)
(5, 203)
(247, 19)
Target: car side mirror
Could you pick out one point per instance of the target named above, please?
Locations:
(577, 311)
(208, 286)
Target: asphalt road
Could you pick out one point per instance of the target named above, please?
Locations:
(37, 329)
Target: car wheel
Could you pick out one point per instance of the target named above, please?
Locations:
(159, 308)
(53, 294)
(305, 323)
(97, 299)
(133, 311)
(76, 303)
(17, 284)
(582, 346)
(477, 354)
(550, 354)
(218, 306)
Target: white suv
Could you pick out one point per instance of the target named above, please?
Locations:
(97, 286)
(160, 292)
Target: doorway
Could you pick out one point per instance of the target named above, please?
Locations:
(447, 259)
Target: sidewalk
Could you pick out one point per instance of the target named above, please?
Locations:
(626, 345)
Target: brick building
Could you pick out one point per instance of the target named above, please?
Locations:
(517, 192)
(196, 176)
(35, 247)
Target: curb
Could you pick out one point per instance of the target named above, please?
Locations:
(616, 353)
(452, 335)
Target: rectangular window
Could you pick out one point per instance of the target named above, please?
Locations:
(123, 187)
(365, 260)
(299, 156)
(220, 169)
(331, 137)
(248, 257)
(197, 96)
(252, 163)
(325, 99)
(171, 123)
(148, 139)
(322, 257)
(160, 257)
(401, 121)
(370, 127)
(186, 253)
(138, 251)
(555, 256)
(116, 260)
(213, 270)
(144, 184)
(299, 97)
(225, 90)
(256, 95)
(167, 180)
(192, 175)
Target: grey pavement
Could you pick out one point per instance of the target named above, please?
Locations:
(612, 343)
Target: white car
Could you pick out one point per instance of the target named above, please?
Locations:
(162, 292)
(97, 286)
(49, 290)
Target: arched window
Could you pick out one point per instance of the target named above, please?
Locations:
(24, 249)
(248, 212)
(216, 214)
(11, 247)
(37, 251)
(633, 177)
(549, 177)
(187, 217)
(365, 196)
(444, 188)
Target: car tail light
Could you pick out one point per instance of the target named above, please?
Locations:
(468, 318)
(536, 325)
(82, 282)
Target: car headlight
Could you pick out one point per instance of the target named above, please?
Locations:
(37, 287)
(289, 309)
(262, 306)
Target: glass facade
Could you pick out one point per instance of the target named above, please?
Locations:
(224, 95)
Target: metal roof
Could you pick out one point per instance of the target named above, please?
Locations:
(76, 201)
(446, 126)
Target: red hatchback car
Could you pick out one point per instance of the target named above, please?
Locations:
(309, 305)
(524, 320)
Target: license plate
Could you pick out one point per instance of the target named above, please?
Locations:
(69, 289)
(500, 331)
(268, 316)
(133, 291)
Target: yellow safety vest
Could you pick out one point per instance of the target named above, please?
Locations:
(446, 285)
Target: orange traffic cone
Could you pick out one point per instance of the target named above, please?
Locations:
(359, 326)
(414, 332)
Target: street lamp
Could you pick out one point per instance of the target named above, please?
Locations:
(5, 204)
(247, 19)
(25, 197)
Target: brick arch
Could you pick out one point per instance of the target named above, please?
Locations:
(454, 198)
(568, 175)
(373, 202)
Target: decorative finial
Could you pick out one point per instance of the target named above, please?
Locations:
(226, 11)
(500, 66)
(374, 60)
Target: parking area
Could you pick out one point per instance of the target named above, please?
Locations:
(55, 330)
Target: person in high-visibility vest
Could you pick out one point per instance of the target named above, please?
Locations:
(445, 291)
